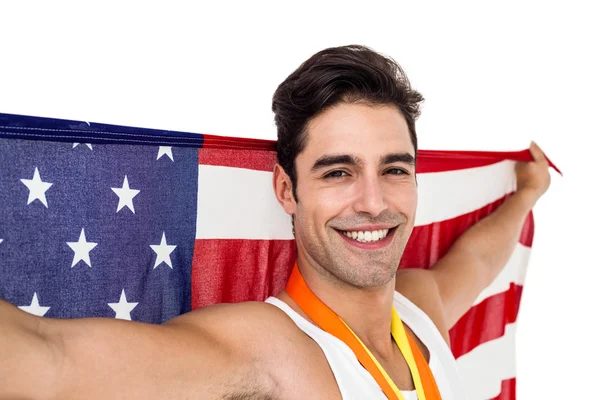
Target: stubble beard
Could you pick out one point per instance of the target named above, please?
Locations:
(367, 269)
(356, 268)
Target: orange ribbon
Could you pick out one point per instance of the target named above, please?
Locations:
(330, 322)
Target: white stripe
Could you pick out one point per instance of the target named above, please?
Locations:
(513, 272)
(237, 203)
(445, 195)
(486, 366)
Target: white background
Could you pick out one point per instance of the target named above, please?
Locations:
(494, 77)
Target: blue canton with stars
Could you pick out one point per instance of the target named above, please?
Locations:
(97, 229)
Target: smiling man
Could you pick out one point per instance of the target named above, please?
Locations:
(349, 325)
(358, 194)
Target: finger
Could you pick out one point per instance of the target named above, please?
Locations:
(536, 152)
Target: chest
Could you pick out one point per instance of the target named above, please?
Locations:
(329, 371)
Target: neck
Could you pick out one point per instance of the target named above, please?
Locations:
(367, 311)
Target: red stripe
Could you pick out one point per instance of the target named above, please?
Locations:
(227, 142)
(443, 160)
(526, 238)
(429, 243)
(260, 155)
(261, 160)
(486, 321)
(508, 390)
(236, 270)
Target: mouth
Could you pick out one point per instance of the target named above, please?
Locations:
(377, 238)
(366, 236)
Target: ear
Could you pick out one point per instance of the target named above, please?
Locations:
(282, 185)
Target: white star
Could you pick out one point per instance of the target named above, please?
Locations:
(162, 150)
(163, 251)
(82, 249)
(35, 308)
(123, 308)
(126, 196)
(37, 188)
(89, 145)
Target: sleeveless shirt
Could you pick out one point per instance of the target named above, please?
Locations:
(355, 382)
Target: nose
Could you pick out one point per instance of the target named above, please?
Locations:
(370, 198)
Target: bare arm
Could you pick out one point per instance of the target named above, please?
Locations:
(449, 288)
(198, 355)
(24, 355)
(478, 256)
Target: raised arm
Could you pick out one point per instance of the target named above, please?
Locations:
(198, 355)
(478, 256)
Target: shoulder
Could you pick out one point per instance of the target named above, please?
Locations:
(266, 337)
(252, 330)
(238, 322)
(420, 287)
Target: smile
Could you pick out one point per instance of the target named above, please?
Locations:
(366, 236)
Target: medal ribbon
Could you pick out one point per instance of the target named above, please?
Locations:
(330, 322)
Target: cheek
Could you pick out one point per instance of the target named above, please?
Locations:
(404, 200)
(411, 198)
(319, 207)
(328, 202)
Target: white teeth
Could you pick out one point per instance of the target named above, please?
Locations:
(367, 236)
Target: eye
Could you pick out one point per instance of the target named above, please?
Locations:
(396, 171)
(335, 174)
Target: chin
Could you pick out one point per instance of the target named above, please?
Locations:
(367, 276)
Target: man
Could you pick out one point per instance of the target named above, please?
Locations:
(346, 174)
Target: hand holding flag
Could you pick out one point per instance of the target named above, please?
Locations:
(533, 177)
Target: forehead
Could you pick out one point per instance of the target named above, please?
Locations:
(359, 129)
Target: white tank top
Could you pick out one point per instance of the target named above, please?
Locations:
(355, 382)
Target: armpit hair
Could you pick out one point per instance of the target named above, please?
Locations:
(253, 395)
(251, 388)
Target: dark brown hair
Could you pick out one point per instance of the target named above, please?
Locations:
(347, 74)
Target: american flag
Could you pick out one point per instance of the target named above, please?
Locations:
(110, 221)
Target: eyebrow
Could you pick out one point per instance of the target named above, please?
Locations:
(405, 158)
(329, 160)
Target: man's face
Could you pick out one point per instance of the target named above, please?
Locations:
(357, 193)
